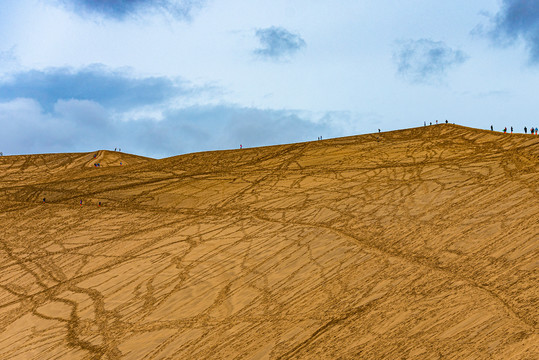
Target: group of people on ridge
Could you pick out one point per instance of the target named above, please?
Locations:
(532, 130)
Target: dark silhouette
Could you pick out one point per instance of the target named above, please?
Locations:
(446, 121)
(491, 128)
(525, 130)
(511, 129)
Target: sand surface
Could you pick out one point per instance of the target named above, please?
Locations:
(412, 244)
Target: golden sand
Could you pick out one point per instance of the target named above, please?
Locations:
(411, 244)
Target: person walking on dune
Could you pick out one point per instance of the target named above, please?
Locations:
(525, 130)
(505, 130)
(511, 129)
(531, 131)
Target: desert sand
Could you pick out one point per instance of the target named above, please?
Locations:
(413, 244)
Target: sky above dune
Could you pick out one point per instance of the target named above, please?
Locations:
(166, 77)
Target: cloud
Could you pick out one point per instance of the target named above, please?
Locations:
(113, 89)
(63, 110)
(277, 43)
(122, 9)
(83, 126)
(518, 19)
(425, 60)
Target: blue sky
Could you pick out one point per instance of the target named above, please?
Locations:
(167, 77)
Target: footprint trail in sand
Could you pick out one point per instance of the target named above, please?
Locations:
(420, 243)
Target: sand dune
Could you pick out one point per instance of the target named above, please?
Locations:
(416, 244)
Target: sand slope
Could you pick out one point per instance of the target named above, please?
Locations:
(417, 244)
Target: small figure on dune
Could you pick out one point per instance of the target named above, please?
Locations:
(511, 129)
(80, 202)
(378, 130)
(446, 121)
(99, 203)
(491, 128)
(43, 199)
(115, 149)
(536, 131)
(531, 131)
(241, 146)
(424, 123)
(505, 130)
(430, 123)
(525, 130)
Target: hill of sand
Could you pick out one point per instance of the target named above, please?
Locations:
(411, 244)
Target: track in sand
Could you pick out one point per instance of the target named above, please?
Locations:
(417, 244)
